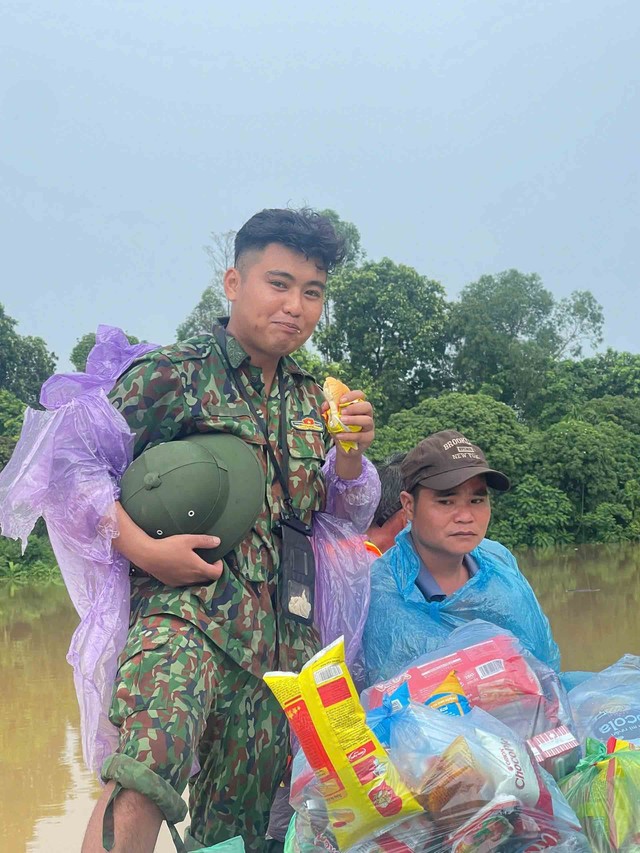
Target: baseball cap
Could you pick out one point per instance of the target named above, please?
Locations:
(445, 460)
(209, 483)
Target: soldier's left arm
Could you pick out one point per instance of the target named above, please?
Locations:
(353, 485)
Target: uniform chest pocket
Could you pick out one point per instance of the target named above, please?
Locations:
(235, 419)
(306, 444)
(306, 458)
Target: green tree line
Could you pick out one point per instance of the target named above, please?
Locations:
(25, 363)
(503, 363)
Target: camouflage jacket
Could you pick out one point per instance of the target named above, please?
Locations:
(186, 388)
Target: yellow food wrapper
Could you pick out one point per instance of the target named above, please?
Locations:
(333, 389)
(450, 697)
(361, 787)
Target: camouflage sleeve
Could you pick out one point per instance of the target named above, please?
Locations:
(150, 397)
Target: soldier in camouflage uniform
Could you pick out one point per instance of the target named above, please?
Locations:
(189, 689)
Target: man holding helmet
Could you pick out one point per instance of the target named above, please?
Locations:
(206, 622)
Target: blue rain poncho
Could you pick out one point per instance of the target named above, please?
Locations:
(402, 625)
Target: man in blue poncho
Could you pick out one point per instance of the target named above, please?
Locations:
(442, 572)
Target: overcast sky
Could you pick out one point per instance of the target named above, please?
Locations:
(462, 137)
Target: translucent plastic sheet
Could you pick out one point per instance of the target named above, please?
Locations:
(65, 468)
(353, 500)
(475, 781)
(608, 704)
(342, 587)
(604, 792)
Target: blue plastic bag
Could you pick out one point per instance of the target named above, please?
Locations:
(608, 704)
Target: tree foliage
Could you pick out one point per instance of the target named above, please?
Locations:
(25, 361)
(569, 384)
(213, 302)
(11, 415)
(590, 464)
(203, 316)
(507, 331)
(577, 319)
(533, 513)
(484, 421)
(354, 254)
(386, 330)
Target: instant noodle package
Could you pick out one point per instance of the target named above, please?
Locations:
(360, 789)
(409, 777)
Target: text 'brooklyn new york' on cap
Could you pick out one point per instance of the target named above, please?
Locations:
(446, 460)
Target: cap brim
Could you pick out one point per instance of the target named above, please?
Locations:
(450, 479)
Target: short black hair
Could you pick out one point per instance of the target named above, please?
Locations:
(391, 484)
(304, 231)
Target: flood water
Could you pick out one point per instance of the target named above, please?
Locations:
(591, 595)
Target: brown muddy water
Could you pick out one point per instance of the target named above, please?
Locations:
(591, 595)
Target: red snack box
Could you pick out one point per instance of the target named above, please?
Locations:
(556, 750)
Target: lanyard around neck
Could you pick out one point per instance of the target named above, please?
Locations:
(282, 471)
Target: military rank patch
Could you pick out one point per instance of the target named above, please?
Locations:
(308, 424)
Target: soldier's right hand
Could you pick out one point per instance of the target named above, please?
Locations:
(174, 561)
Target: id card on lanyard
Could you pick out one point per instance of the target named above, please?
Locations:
(297, 570)
(297, 563)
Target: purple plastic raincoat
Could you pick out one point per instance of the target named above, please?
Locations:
(66, 468)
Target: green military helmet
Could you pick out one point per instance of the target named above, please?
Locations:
(210, 483)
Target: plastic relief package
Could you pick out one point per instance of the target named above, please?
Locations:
(358, 785)
(604, 792)
(457, 783)
(608, 704)
(496, 674)
(478, 783)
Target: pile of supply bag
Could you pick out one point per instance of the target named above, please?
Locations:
(474, 747)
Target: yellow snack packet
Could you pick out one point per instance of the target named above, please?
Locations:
(333, 389)
(449, 697)
(361, 787)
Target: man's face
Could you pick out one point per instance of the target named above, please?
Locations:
(451, 522)
(277, 297)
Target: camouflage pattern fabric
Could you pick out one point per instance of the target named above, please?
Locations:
(179, 390)
(177, 698)
(240, 735)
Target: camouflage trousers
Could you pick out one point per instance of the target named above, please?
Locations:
(180, 702)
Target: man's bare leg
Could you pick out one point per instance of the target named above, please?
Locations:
(136, 823)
